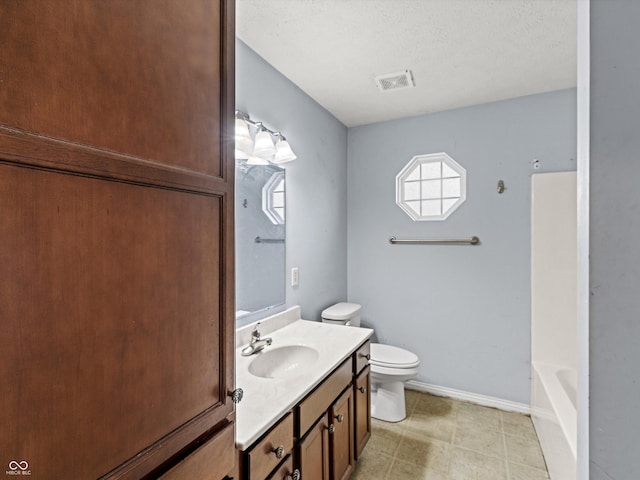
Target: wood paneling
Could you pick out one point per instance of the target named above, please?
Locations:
(135, 77)
(116, 239)
(111, 298)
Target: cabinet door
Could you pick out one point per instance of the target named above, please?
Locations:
(116, 239)
(313, 452)
(285, 471)
(341, 441)
(362, 411)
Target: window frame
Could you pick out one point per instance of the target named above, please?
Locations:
(407, 176)
(270, 188)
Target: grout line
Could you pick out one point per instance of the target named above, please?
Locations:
(456, 406)
(389, 468)
(504, 444)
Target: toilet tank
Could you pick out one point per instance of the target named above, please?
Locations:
(343, 313)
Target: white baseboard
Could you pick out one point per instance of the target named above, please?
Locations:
(483, 400)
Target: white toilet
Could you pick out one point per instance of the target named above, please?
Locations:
(390, 366)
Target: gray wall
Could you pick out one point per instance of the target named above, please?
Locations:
(316, 182)
(464, 310)
(614, 252)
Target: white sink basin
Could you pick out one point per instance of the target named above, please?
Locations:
(286, 361)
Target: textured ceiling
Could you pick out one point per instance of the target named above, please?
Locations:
(461, 52)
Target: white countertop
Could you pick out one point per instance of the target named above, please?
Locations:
(267, 399)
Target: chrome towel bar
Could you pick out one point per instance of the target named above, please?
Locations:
(269, 240)
(443, 241)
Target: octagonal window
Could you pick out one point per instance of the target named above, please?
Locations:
(431, 187)
(273, 198)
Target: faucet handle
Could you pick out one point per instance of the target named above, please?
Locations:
(256, 333)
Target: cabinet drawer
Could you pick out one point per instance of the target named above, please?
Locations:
(285, 472)
(211, 461)
(263, 457)
(310, 409)
(361, 357)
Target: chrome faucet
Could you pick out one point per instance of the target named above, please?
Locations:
(256, 344)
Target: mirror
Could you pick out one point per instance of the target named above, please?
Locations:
(260, 238)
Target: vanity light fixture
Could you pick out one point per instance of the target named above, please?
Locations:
(244, 142)
(283, 151)
(260, 150)
(264, 147)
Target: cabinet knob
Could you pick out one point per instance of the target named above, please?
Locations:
(366, 355)
(294, 476)
(362, 389)
(332, 428)
(236, 395)
(339, 417)
(279, 451)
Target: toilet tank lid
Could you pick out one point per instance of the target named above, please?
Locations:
(341, 311)
(388, 355)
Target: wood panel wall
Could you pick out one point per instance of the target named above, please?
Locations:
(116, 232)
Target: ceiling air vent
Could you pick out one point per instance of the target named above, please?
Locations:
(395, 81)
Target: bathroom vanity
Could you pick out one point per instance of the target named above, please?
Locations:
(306, 406)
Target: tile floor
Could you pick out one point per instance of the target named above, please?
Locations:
(446, 439)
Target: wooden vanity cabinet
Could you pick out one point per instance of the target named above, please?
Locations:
(362, 410)
(313, 451)
(285, 471)
(327, 430)
(341, 444)
(361, 357)
(268, 453)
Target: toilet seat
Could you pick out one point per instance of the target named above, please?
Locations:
(404, 373)
(390, 357)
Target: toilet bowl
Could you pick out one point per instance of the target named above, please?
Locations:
(390, 366)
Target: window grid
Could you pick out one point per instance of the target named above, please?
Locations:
(426, 187)
(273, 199)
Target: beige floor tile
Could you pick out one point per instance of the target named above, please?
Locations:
(385, 437)
(421, 444)
(482, 440)
(433, 426)
(410, 471)
(483, 417)
(518, 424)
(525, 451)
(437, 406)
(522, 472)
(424, 451)
(468, 465)
(410, 398)
(372, 465)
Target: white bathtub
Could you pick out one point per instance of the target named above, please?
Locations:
(554, 414)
